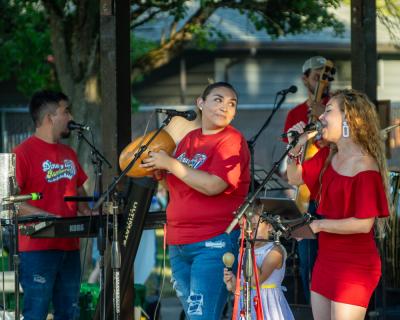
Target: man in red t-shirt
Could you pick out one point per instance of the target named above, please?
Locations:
(50, 268)
(312, 69)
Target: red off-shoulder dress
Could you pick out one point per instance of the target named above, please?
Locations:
(348, 267)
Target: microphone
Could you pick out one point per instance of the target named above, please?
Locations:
(313, 126)
(24, 197)
(275, 222)
(228, 259)
(72, 125)
(188, 115)
(291, 89)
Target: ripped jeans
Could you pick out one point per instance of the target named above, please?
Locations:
(197, 275)
(50, 275)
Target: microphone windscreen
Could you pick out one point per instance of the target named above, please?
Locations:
(191, 115)
(228, 259)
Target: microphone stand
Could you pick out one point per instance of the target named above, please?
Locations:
(285, 227)
(116, 265)
(251, 143)
(241, 211)
(252, 197)
(97, 160)
(248, 270)
(14, 244)
(116, 255)
(138, 153)
(16, 260)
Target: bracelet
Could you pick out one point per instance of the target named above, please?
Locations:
(296, 156)
(295, 161)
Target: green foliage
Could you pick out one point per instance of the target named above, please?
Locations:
(135, 104)
(141, 46)
(281, 17)
(206, 36)
(25, 36)
(25, 46)
(388, 12)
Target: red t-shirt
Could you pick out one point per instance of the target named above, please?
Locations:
(348, 266)
(295, 115)
(53, 170)
(193, 216)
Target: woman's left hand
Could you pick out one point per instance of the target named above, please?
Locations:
(314, 225)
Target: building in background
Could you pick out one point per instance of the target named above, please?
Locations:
(259, 67)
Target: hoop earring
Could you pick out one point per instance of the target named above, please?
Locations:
(345, 129)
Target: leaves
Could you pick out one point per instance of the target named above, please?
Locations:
(25, 47)
(388, 12)
(25, 33)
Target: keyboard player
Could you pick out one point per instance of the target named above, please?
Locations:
(50, 268)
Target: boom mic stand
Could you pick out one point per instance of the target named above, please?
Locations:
(16, 261)
(285, 227)
(14, 245)
(252, 142)
(97, 160)
(116, 259)
(243, 209)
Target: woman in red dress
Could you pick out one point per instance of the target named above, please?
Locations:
(350, 178)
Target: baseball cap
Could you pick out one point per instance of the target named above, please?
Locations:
(316, 62)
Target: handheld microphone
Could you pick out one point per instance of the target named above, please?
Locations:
(291, 89)
(72, 125)
(24, 197)
(313, 126)
(188, 115)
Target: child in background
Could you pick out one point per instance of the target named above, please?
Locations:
(271, 271)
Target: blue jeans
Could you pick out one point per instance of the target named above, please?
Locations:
(307, 249)
(197, 275)
(50, 275)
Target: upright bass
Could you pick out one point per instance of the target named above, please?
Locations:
(302, 197)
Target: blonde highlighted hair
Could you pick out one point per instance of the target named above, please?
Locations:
(362, 119)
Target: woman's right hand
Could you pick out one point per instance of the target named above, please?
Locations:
(302, 138)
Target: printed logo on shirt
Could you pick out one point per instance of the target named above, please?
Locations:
(196, 162)
(55, 171)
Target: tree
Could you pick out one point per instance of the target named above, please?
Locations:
(388, 12)
(56, 42)
(276, 17)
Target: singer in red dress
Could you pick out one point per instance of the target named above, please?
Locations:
(309, 109)
(350, 180)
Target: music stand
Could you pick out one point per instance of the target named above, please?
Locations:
(275, 187)
(284, 211)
